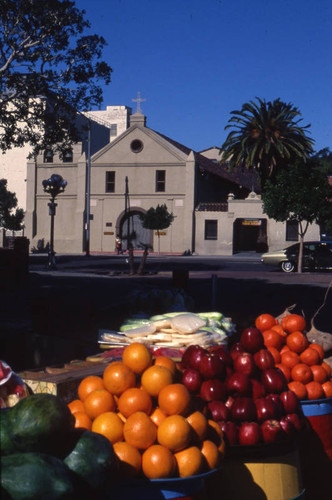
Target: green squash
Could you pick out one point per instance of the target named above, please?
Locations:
(93, 460)
(40, 423)
(36, 476)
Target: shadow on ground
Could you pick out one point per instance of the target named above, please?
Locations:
(55, 318)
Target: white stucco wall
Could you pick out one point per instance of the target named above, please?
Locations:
(13, 167)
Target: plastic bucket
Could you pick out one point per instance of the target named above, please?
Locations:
(319, 414)
(266, 472)
(316, 449)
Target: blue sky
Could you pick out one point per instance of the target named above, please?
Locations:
(195, 61)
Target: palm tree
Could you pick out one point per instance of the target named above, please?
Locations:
(266, 136)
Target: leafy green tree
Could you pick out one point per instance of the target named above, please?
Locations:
(324, 156)
(157, 219)
(49, 67)
(9, 219)
(266, 136)
(301, 193)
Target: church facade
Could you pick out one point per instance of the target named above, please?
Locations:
(216, 212)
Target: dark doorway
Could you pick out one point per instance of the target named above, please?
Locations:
(139, 236)
(250, 235)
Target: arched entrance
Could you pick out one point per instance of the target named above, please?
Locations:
(250, 235)
(139, 236)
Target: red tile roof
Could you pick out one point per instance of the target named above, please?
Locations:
(240, 177)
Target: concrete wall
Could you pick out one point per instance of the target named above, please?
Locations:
(250, 208)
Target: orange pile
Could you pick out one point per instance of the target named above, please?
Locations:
(301, 361)
(149, 417)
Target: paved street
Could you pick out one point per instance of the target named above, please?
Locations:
(56, 316)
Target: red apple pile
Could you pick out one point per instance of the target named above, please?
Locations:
(243, 391)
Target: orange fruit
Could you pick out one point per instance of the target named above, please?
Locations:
(284, 348)
(82, 420)
(174, 399)
(139, 430)
(297, 342)
(118, 378)
(211, 454)
(175, 433)
(327, 368)
(302, 373)
(130, 459)
(97, 402)
(299, 389)
(199, 424)
(89, 384)
(265, 322)
(327, 388)
(134, 399)
(76, 405)
(293, 323)
(319, 373)
(285, 370)
(157, 416)
(155, 378)
(319, 349)
(279, 329)
(109, 425)
(275, 353)
(315, 390)
(216, 435)
(122, 417)
(310, 356)
(158, 462)
(166, 362)
(290, 359)
(273, 339)
(190, 461)
(137, 357)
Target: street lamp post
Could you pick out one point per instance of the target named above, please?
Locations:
(88, 193)
(53, 186)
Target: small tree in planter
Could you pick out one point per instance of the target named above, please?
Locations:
(301, 193)
(157, 219)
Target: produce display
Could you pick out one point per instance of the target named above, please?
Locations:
(245, 393)
(177, 329)
(44, 456)
(301, 361)
(157, 416)
(157, 427)
(12, 387)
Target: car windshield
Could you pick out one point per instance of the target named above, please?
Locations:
(292, 248)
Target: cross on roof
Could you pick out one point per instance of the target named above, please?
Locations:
(138, 100)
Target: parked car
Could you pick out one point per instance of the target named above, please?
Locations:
(317, 255)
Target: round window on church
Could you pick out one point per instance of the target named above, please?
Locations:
(136, 146)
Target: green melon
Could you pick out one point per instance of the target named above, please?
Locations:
(40, 423)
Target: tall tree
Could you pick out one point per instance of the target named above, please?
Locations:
(266, 136)
(49, 67)
(324, 156)
(10, 217)
(157, 219)
(301, 193)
